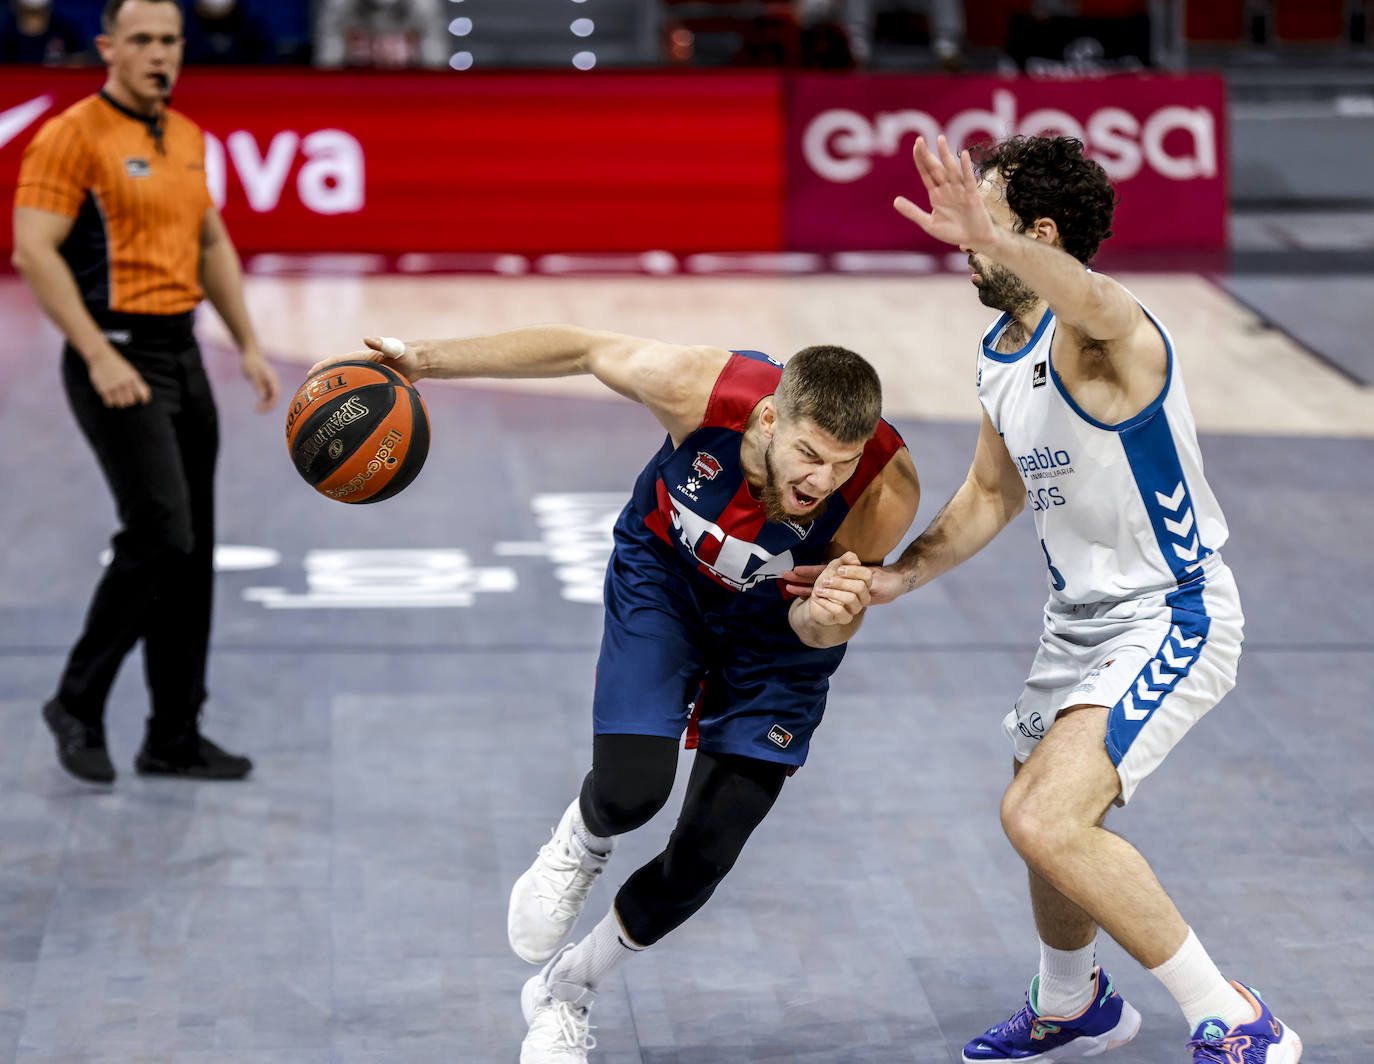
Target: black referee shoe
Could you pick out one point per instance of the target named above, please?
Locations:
(80, 746)
(190, 755)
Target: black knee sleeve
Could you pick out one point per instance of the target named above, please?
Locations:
(630, 780)
(727, 798)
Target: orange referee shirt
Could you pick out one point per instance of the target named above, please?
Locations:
(138, 200)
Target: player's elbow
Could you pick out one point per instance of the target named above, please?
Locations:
(1013, 502)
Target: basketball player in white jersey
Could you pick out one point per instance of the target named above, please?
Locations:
(1086, 422)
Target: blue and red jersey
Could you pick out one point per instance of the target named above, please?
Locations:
(695, 497)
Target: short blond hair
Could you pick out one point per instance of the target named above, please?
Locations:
(833, 388)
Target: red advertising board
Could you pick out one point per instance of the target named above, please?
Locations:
(1161, 139)
(322, 160)
(685, 161)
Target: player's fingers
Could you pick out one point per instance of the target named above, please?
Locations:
(799, 590)
(803, 574)
(825, 611)
(387, 345)
(926, 163)
(353, 356)
(970, 174)
(912, 213)
(853, 595)
(949, 163)
(859, 574)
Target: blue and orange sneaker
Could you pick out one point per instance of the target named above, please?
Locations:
(1264, 1040)
(1107, 1021)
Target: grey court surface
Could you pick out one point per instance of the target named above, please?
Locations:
(412, 679)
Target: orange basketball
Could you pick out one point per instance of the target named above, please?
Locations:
(357, 432)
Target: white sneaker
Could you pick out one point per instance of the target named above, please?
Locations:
(545, 901)
(559, 1032)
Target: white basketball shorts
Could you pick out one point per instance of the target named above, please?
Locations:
(1159, 661)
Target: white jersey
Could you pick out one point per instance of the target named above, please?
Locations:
(1121, 510)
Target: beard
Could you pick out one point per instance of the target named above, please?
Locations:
(1003, 290)
(773, 494)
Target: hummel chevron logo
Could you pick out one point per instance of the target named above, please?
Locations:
(1177, 664)
(1128, 708)
(1180, 528)
(18, 118)
(1143, 692)
(1188, 553)
(1186, 644)
(1173, 501)
(1157, 670)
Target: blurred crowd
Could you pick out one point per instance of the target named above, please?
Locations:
(381, 33)
(420, 33)
(1038, 36)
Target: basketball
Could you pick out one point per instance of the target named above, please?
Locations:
(357, 432)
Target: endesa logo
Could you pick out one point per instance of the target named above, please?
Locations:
(840, 144)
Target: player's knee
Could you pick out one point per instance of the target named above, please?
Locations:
(695, 869)
(1031, 826)
(613, 806)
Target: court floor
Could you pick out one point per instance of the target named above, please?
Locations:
(413, 679)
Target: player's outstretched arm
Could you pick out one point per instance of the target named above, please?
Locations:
(1092, 303)
(990, 496)
(673, 381)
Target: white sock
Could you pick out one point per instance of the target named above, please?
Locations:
(1200, 989)
(583, 967)
(1066, 980)
(594, 843)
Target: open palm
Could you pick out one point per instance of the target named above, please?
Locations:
(957, 213)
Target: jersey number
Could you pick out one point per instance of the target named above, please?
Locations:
(1055, 575)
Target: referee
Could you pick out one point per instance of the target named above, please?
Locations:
(115, 233)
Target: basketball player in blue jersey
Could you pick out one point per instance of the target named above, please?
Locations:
(765, 467)
(1087, 423)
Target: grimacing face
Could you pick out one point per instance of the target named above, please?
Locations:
(143, 52)
(805, 466)
(997, 286)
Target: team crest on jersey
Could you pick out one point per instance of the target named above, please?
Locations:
(705, 466)
(1039, 374)
(136, 167)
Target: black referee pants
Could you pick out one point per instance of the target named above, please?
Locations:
(159, 461)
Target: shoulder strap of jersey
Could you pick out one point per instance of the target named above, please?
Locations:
(746, 378)
(879, 450)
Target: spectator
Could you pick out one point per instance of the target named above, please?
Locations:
(32, 32)
(223, 31)
(381, 33)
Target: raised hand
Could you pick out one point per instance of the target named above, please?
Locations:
(957, 213)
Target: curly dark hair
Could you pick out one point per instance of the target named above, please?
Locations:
(1049, 177)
